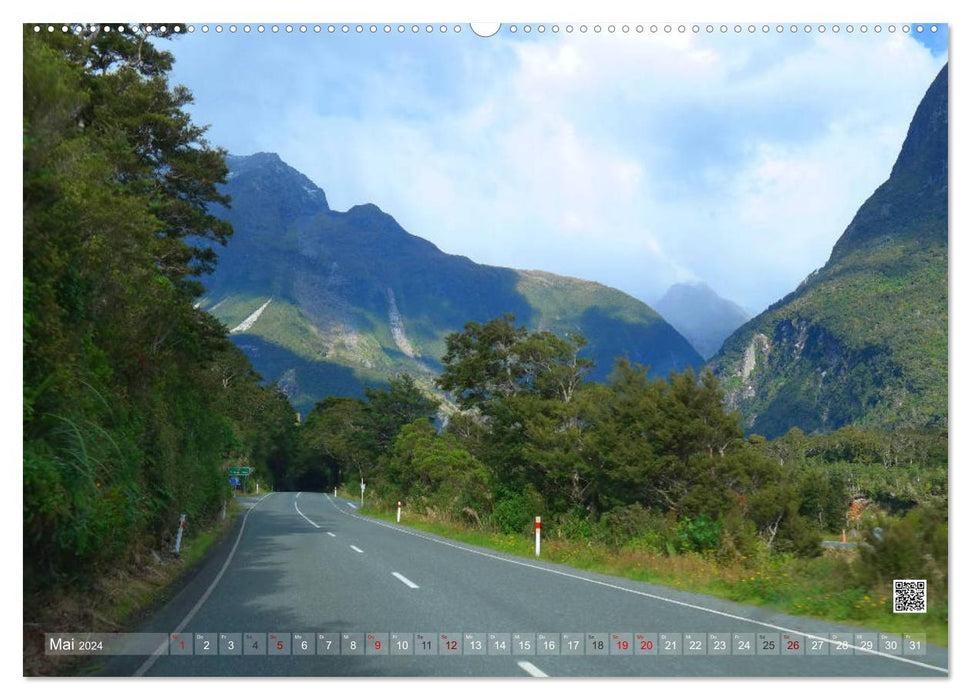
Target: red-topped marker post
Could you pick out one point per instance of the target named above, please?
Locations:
(399, 511)
(537, 535)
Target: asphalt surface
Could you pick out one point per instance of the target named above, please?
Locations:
(308, 563)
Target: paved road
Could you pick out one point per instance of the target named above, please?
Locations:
(307, 562)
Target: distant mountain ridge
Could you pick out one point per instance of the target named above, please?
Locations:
(699, 314)
(864, 339)
(354, 298)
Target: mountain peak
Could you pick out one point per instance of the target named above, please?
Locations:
(699, 314)
(913, 200)
(367, 210)
(270, 182)
(863, 340)
(357, 298)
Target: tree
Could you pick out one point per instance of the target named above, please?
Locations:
(133, 398)
(427, 468)
(485, 363)
(350, 436)
(335, 436)
(388, 410)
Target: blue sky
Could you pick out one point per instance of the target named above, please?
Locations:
(636, 160)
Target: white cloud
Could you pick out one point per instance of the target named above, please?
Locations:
(634, 160)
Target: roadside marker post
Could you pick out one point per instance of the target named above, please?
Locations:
(537, 534)
(178, 533)
(335, 492)
(363, 486)
(223, 516)
(399, 511)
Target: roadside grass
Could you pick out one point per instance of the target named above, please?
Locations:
(820, 588)
(117, 600)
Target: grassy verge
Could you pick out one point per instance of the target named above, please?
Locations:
(116, 601)
(819, 588)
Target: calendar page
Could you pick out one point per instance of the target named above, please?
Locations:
(614, 348)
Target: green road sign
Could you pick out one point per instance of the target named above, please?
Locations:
(239, 471)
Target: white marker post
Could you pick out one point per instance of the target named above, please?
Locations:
(178, 533)
(223, 517)
(363, 486)
(335, 492)
(537, 535)
(399, 511)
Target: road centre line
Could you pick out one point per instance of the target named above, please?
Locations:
(301, 514)
(404, 580)
(164, 647)
(531, 669)
(644, 594)
(359, 551)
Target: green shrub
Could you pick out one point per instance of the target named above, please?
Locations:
(576, 525)
(515, 514)
(639, 527)
(914, 546)
(739, 540)
(700, 534)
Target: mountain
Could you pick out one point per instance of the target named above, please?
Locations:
(325, 302)
(700, 315)
(863, 340)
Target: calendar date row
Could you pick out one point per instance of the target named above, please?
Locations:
(485, 644)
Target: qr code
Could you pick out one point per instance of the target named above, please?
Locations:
(910, 595)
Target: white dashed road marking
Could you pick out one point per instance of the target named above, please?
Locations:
(405, 581)
(531, 670)
(644, 594)
(359, 551)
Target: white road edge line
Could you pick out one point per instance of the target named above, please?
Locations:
(410, 584)
(332, 534)
(808, 635)
(531, 670)
(359, 551)
(150, 661)
(301, 513)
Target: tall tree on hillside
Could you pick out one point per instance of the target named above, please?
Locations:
(133, 398)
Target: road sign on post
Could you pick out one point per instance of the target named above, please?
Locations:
(240, 471)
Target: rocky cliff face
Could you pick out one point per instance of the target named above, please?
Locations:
(862, 340)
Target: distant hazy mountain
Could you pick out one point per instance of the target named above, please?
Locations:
(700, 315)
(325, 301)
(862, 340)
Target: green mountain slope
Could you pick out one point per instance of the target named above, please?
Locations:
(352, 298)
(863, 340)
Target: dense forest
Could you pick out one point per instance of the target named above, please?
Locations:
(134, 400)
(651, 463)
